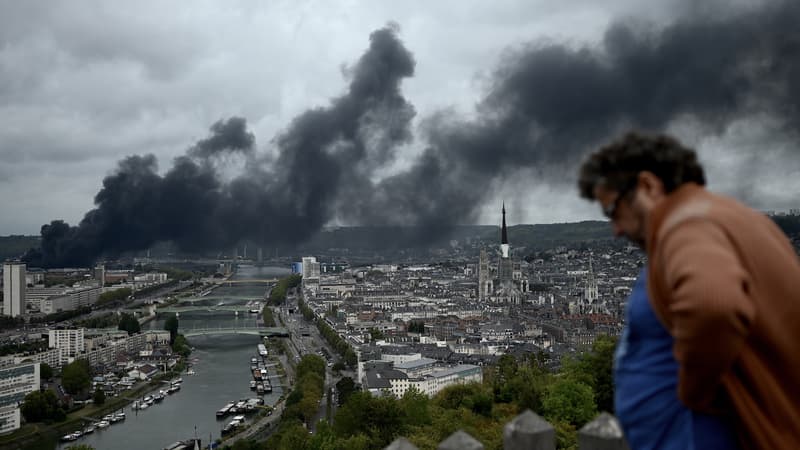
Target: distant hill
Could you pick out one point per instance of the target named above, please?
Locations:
(392, 239)
(15, 246)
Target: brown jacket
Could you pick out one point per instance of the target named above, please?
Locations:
(725, 282)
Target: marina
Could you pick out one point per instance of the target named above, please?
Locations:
(223, 376)
(105, 422)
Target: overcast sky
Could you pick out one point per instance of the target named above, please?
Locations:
(84, 84)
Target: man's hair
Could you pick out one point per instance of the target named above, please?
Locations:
(617, 165)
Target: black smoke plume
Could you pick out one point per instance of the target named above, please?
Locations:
(547, 105)
(322, 152)
(227, 137)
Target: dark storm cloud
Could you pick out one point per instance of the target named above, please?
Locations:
(546, 106)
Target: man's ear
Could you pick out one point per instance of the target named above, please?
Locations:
(650, 185)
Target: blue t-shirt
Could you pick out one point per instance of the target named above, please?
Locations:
(646, 387)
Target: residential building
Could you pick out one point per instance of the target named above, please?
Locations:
(69, 340)
(15, 383)
(14, 285)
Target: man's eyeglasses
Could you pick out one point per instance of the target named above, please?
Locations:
(610, 211)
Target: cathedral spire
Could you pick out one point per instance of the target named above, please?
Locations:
(504, 233)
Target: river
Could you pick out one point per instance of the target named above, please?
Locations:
(222, 374)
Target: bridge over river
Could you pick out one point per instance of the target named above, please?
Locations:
(220, 298)
(256, 331)
(183, 309)
(247, 281)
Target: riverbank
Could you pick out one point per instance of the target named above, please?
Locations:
(40, 436)
(266, 422)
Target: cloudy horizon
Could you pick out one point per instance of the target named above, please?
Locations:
(85, 88)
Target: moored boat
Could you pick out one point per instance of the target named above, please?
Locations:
(225, 410)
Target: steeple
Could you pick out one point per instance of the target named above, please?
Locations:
(504, 247)
(504, 233)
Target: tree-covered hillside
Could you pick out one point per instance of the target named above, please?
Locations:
(15, 246)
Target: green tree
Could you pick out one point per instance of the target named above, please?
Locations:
(350, 357)
(295, 437)
(600, 363)
(375, 334)
(379, 418)
(569, 401)
(76, 376)
(45, 371)
(99, 397)
(503, 382)
(113, 296)
(416, 406)
(292, 281)
(566, 435)
(345, 388)
(268, 317)
(594, 368)
(171, 325)
(129, 323)
(181, 346)
(311, 364)
(41, 406)
(472, 396)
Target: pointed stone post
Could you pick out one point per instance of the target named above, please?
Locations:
(460, 440)
(401, 443)
(602, 433)
(530, 432)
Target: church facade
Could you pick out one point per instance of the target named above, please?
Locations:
(502, 283)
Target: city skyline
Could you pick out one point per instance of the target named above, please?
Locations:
(86, 87)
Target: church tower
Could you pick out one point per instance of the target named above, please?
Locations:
(590, 292)
(485, 285)
(505, 265)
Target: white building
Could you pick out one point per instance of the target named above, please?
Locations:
(51, 357)
(14, 286)
(310, 273)
(439, 379)
(337, 287)
(381, 378)
(69, 341)
(35, 295)
(15, 383)
(417, 368)
(149, 279)
(71, 299)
